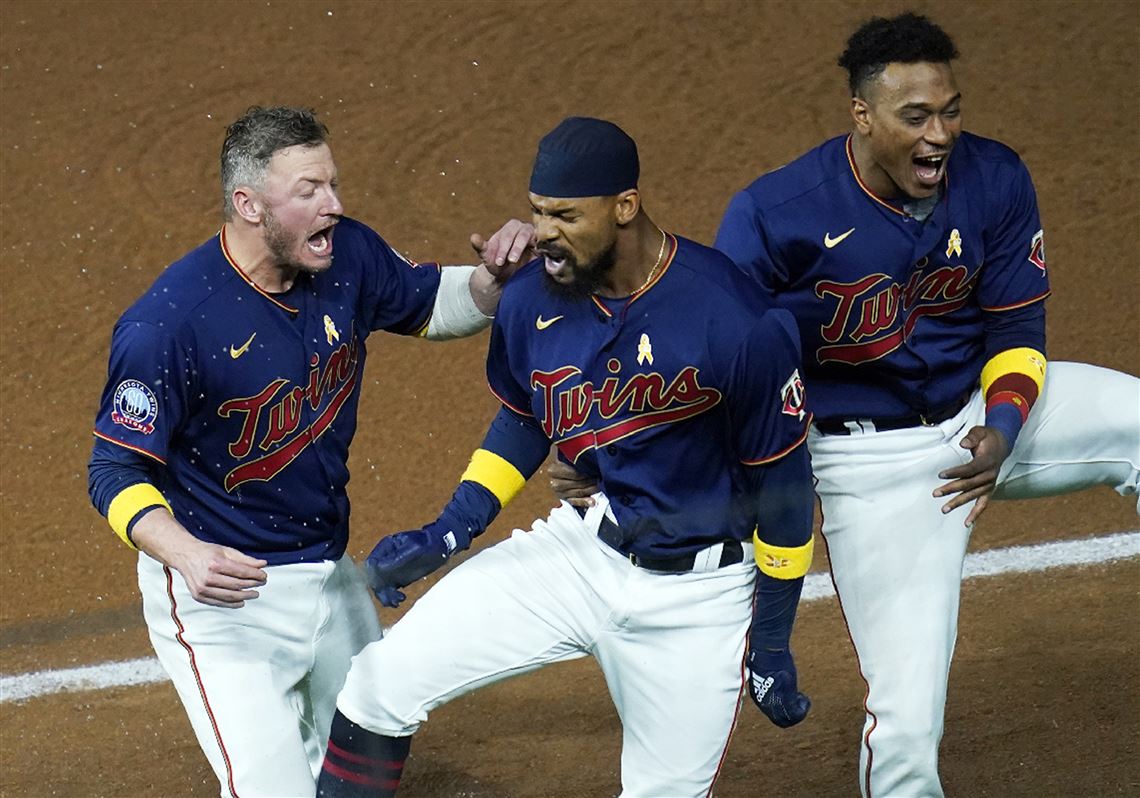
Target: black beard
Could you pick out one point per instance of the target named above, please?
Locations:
(586, 279)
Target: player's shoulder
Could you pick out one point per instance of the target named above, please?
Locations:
(716, 278)
(987, 156)
(184, 286)
(808, 174)
(525, 289)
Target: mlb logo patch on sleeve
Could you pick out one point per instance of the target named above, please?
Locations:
(135, 407)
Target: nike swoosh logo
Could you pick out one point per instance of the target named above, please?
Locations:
(830, 242)
(542, 323)
(239, 351)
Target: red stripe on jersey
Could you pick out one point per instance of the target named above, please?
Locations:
(1017, 305)
(151, 455)
(198, 678)
(773, 458)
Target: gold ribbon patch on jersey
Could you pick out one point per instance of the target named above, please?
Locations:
(330, 330)
(954, 245)
(644, 350)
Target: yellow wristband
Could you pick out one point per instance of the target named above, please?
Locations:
(783, 562)
(127, 504)
(1021, 360)
(496, 474)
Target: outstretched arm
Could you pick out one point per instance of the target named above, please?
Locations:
(512, 451)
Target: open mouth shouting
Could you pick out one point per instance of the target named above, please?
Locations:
(929, 169)
(320, 242)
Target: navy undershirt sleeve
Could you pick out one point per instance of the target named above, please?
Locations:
(784, 506)
(517, 439)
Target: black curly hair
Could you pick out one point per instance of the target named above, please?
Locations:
(908, 39)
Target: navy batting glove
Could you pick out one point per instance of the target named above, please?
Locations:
(400, 559)
(772, 685)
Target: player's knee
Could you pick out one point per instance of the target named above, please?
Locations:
(380, 692)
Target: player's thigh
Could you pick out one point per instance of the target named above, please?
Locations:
(1083, 431)
(674, 671)
(895, 557)
(242, 711)
(350, 623)
(510, 609)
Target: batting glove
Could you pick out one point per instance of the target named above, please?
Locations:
(772, 685)
(400, 559)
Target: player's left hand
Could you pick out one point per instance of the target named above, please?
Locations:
(772, 686)
(400, 559)
(506, 249)
(976, 479)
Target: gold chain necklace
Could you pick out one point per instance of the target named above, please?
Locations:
(653, 271)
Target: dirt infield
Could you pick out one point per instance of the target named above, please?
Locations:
(111, 118)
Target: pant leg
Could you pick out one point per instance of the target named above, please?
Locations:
(896, 561)
(348, 623)
(673, 661)
(1083, 431)
(237, 671)
(512, 608)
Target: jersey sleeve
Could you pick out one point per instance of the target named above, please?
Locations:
(398, 294)
(766, 397)
(505, 384)
(743, 237)
(1014, 272)
(150, 388)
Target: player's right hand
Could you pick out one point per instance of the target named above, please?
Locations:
(570, 486)
(220, 576)
(400, 559)
(506, 249)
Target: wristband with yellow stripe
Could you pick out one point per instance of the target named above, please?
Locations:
(496, 474)
(783, 562)
(130, 502)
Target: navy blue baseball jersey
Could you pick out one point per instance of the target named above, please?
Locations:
(893, 312)
(666, 396)
(248, 399)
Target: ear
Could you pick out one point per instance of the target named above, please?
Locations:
(861, 115)
(247, 204)
(627, 205)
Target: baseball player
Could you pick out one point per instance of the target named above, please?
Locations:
(221, 444)
(638, 354)
(912, 257)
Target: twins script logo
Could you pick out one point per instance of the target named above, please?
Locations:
(874, 316)
(273, 416)
(646, 400)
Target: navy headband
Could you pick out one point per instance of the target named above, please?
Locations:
(585, 157)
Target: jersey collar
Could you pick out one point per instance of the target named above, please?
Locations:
(641, 291)
(871, 194)
(230, 259)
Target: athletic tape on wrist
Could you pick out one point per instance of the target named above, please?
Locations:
(496, 474)
(783, 562)
(127, 504)
(455, 314)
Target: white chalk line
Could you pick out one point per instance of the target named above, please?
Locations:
(1015, 560)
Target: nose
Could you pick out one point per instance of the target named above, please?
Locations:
(937, 132)
(333, 206)
(544, 229)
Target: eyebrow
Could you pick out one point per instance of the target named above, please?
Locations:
(557, 212)
(925, 106)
